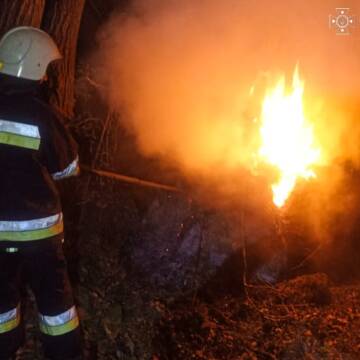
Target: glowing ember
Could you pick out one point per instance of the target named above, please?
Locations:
(287, 137)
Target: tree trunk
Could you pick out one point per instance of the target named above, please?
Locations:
(62, 21)
(20, 13)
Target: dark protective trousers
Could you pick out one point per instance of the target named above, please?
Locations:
(43, 266)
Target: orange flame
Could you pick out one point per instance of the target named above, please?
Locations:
(287, 137)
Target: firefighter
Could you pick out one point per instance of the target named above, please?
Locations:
(35, 151)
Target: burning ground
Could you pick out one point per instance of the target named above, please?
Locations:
(153, 289)
(299, 319)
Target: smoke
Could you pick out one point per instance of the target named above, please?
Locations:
(182, 72)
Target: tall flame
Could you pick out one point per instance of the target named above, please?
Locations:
(287, 137)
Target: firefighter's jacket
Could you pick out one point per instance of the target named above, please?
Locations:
(35, 150)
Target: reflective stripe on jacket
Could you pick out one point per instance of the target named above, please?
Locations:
(35, 150)
(28, 230)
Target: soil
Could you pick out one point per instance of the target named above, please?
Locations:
(151, 282)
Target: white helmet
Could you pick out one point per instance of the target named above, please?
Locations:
(26, 52)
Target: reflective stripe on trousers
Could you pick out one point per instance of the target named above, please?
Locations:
(9, 320)
(46, 272)
(49, 325)
(59, 324)
(29, 230)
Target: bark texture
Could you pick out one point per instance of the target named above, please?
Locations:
(62, 21)
(20, 13)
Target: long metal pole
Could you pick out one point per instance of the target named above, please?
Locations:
(130, 179)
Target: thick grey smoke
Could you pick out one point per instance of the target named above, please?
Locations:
(182, 71)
